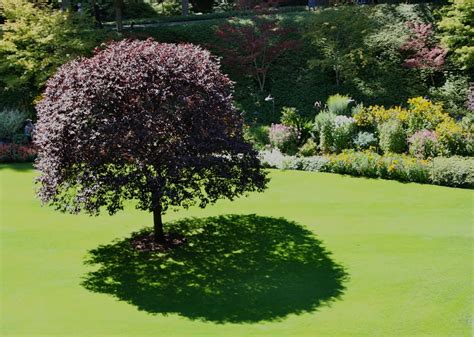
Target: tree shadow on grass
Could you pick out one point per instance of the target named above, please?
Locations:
(233, 269)
(24, 167)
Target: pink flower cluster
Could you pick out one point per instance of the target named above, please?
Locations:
(280, 134)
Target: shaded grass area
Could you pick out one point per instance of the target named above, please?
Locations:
(233, 268)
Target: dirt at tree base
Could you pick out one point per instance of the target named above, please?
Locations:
(145, 242)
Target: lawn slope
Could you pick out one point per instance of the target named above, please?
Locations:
(405, 249)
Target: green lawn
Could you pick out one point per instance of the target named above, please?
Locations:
(386, 259)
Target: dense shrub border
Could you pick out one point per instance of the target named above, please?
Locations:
(17, 153)
(308, 71)
(452, 171)
(449, 171)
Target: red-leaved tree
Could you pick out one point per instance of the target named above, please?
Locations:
(253, 48)
(146, 121)
(422, 49)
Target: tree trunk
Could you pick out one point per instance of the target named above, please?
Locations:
(185, 7)
(158, 222)
(65, 5)
(118, 15)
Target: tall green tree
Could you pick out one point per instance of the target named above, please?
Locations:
(36, 41)
(457, 31)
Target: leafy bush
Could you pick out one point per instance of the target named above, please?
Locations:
(310, 148)
(354, 163)
(283, 138)
(314, 164)
(423, 144)
(453, 94)
(365, 140)
(375, 115)
(392, 137)
(275, 159)
(424, 114)
(454, 139)
(453, 171)
(470, 98)
(339, 104)
(344, 128)
(272, 158)
(338, 36)
(421, 114)
(369, 164)
(258, 135)
(324, 130)
(11, 122)
(303, 126)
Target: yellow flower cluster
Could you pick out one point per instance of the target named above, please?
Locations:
(368, 163)
(376, 114)
(422, 113)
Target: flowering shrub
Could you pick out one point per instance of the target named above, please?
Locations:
(392, 137)
(276, 159)
(292, 118)
(324, 130)
(15, 153)
(344, 128)
(424, 114)
(370, 164)
(424, 144)
(454, 139)
(284, 138)
(421, 114)
(374, 115)
(453, 171)
(272, 158)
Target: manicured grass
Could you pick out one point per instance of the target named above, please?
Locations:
(406, 249)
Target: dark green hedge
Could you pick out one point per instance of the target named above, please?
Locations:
(294, 82)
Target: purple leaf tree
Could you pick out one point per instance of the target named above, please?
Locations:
(422, 50)
(146, 121)
(253, 48)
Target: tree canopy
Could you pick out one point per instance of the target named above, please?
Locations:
(146, 121)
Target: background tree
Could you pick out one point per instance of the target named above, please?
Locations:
(184, 7)
(457, 32)
(36, 41)
(422, 50)
(253, 48)
(118, 4)
(339, 37)
(146, 121)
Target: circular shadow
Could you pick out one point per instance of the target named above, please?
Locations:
(233, 268)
